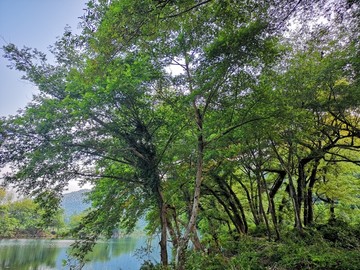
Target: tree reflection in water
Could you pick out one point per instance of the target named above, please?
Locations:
(34, 254)
(28, 254)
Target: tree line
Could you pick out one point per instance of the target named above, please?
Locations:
(25, 218)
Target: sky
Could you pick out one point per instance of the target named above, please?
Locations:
(35, 24)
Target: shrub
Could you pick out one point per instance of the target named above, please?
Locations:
(340, 234)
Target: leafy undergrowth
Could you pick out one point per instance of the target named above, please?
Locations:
(331, 246)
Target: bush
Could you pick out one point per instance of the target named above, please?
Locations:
(340, 234)
(201, 260)
(296, 251)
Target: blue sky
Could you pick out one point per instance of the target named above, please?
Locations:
(35, 24)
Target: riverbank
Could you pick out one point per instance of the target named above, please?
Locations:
(65, 235)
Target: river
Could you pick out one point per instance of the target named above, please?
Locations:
(43, 254)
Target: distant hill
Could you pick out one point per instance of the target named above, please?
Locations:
(73, 203)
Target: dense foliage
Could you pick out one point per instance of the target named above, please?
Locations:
(25, 218)
(224, 122)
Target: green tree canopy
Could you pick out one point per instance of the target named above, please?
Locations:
(202, 115)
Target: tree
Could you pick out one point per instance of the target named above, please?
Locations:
(240, 123)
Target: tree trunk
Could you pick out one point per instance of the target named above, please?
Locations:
(196, 240)
(332, 210)
(301, 183)
(292, 192)
(234, 203)
(163, 226)
(271, 208)
(296, 206)
(261, 206)
(250, 201)
(174, 232)
(183, 243)
(282, 206)
(308, 203)
(230, 210)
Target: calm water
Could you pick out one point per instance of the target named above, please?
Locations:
(28, 254)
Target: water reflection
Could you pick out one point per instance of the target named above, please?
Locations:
(26, 254)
